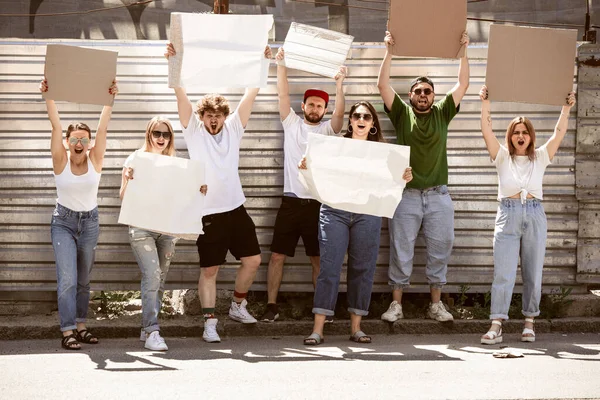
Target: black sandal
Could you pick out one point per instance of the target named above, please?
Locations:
(84, 336)
(70, 342)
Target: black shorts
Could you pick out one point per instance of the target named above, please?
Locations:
(232, 230)
(297, 218)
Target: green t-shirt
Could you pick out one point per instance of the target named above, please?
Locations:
(426, 134)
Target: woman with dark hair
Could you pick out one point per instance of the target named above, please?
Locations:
(74, 227)
(358, 234)
(521, 225)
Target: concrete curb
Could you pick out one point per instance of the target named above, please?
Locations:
(46, 327)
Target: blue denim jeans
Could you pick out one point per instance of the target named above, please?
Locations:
(520, 229)
(153, 253)
(341, 231)
(433, 209)
(74, 239)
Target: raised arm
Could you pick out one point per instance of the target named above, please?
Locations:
(245, 107)
(459, 90)
(491, 142)
(184, 105)
(561, 126)
(383, 80)
(57, 148)
(99, 149)
(283, 87)
(337, 118)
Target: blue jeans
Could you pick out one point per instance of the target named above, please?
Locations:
(433, 209)
(74, 239)
(153, 253)
(520, 229)
(341, 231)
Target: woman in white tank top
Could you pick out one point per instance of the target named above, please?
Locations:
(148, 246)
(74, 227)
(521, 226)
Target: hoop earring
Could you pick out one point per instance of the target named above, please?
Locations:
(373, 131)
(349, 130)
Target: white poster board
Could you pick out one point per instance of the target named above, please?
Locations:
(79, 74)
(355, 175)
(164, 195)
(316, 50)
(216, 51)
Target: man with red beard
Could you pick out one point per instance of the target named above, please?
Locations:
(298, 215)
(422, 125)
(213, 136)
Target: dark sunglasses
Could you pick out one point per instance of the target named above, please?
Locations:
(158, 134)
(426, 92)
(366, 117)
(84, 141)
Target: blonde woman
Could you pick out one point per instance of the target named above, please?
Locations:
(153, 251)
(521, 225)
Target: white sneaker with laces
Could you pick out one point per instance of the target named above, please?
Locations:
(143, 335)
(438, 312)
(393, 313)
(210, 334)
(238, 312)
(155, 342)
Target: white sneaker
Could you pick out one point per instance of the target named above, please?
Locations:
(438, 312)
(210, 334)
(143, 335)
(155, 342)
(238, 312)
(394, 312)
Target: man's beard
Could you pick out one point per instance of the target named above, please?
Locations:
(313, 118)
(419, 107)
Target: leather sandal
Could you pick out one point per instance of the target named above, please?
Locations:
(85, 336)
(70, 342)
(528, 334)
(493, 337)
(360, 337)
(313, 340)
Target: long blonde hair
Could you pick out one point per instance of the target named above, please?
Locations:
(147, 146)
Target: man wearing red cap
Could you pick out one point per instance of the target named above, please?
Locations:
(298, 215)
(422, 125)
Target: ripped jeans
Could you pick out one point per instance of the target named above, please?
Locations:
(153, 253)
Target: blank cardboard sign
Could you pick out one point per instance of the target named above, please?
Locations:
(427, 28)
(530, 65)
(79, 74)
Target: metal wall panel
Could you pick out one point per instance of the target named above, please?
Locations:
(27, 192)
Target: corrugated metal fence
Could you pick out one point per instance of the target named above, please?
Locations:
(27, 192)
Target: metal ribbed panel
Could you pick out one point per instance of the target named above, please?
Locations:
(27, 191)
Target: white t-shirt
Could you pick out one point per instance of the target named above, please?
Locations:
(78, 192)
(221, 162)
(521, 175)
(295, 132)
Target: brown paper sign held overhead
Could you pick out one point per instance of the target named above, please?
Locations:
(427, 28)
(530, 65)
(80, 74)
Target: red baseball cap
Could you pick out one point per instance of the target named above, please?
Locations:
(318, 93)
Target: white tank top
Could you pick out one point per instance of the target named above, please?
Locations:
(78, 192)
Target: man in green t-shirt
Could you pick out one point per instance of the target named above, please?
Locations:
(422, 125)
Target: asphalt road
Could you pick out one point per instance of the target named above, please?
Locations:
(398, 366)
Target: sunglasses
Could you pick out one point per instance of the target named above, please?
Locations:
(366, 117)
(426, 92)
(158, 134)
(84, 141)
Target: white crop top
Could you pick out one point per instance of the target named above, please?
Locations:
(521, 175)
(78, 192)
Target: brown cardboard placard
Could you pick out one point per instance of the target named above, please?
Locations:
(427, 28)
(530, 65)
(80, 74)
